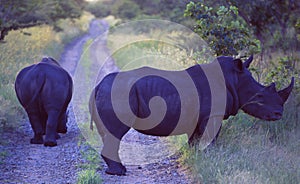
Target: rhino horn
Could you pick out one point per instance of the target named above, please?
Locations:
(284, 93)
(248, 61)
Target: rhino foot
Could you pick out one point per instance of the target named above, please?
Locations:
(62, 130)
(120, 171)
(57, 136)
(114, 168)
(50, 143)
(37, 139)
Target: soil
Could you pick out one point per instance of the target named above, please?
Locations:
(30, 163)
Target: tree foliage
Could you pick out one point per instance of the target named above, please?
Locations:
(126, 9)
(139, 9)
(274, 23)
(273, 18)
(15, 14)
(222, 27)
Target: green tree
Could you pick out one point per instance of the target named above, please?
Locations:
(273, 22)
(222, 27)
(126, 9)
(99, 8)
(270, 19)
(18, 14)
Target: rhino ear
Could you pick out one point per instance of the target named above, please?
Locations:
(272, 86)
(248, 61)
(45, 59)
(238, 65)
(285, 93)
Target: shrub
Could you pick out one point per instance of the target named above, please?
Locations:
(88, 177)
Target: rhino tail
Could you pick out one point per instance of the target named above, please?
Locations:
(92, 108)
(40, 82)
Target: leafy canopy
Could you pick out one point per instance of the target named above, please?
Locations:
(15, 14)
(222, 27)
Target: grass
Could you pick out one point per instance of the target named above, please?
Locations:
(83, 83)
(88, 174)
(155, 48)
(20, 50)
(248, 151)
(88, 177)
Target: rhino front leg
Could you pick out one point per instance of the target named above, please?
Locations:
(37, 128)
(51, 126)
(206, 132)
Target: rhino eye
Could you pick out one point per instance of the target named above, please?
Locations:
(259, 95)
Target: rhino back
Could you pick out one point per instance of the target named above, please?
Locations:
(43, 84)
(144, 89)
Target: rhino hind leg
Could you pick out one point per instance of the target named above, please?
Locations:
(62, 125)
(36, 125)
(111, 157)
(51, 126)
(110, 151)
(37, 139)
(114, 168)
(57, 136)
(62, 130)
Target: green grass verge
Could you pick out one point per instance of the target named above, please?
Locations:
(249, 151)
(88, 177)
(88, 174)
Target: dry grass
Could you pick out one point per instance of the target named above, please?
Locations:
(25, 47)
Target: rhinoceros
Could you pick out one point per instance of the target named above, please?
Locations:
(151, 92)
(45, 90)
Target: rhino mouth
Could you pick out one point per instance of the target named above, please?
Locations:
(273, 117)
(268, 117)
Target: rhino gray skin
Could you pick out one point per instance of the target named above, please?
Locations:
(242, 92)
(45, 90)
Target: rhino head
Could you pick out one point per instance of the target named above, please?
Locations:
(263, 102)
(244, 92)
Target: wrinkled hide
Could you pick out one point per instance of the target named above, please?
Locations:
(154, 105)
(45, 90)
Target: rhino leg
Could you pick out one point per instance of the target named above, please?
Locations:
(57, 136)
(51, 126)
(62, 128)
(37, 128)
(37, 139)
(114, 168)
(111, 144)
(62, 125)
(212, 133)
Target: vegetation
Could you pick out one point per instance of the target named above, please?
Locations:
(225, 31)
(21, 50)
(16, 14)
(248, 150)
(88, 177)
(136, 9)
(273, 23)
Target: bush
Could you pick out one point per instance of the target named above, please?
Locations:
(126, 9)
(88, 177)
(99, 9)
